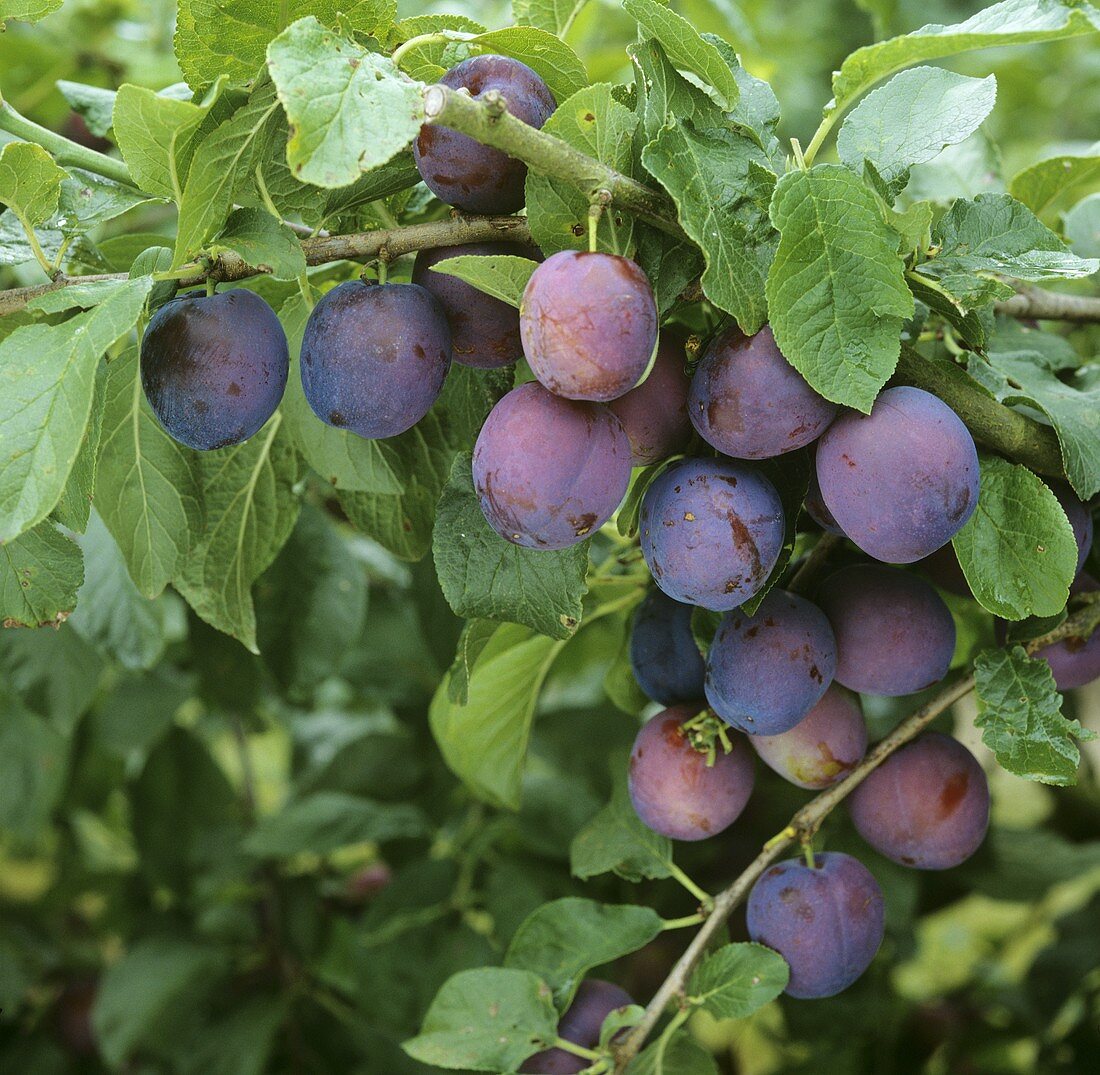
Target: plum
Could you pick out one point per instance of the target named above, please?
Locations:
(655, 413)
(711, 532)
(1075, 661)
(749, 402)
(816, 509)
(673, 789)
(374, 357)
(827, 921)
(595, 1000)
(589, 324)
(214, 367)
(926, 806)
(484, 330)
(549, 471)
(765, 672)
(823, 747)
(894, 634)
(461, 171)
(901, 481)
(666, 661)
(1080, 519)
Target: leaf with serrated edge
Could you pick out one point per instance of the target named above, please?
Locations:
(40, 574)
(737, 980)
(30, 182)
(836, 289)
(1020, 714)
(1042, 184)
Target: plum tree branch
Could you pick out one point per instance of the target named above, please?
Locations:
(1036, 304)
(490, 123)
(804, 825)
(319, 250)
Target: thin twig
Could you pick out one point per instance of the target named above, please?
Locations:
(805, 823)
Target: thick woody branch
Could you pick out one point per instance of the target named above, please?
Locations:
(1035, 304)
(321, 250)
(804, 824)
(488, 121)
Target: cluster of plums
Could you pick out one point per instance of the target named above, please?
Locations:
(374, 356)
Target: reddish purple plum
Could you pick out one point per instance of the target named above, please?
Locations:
(666, 661)
(589, 324)
(749, 402)
(484, 330)
(1075, 661)
(826, 921)
(673, 789)
(595, 1000)
(654, 414)
(894, 634)
(711, 532)
(214, 367)
(943, 569)
(765, 672)
(461, 171)
(816, 509)
(1080, 519)
(926, 806)
(549, 471)
(822, 748)
(903, 480)
(374, 357)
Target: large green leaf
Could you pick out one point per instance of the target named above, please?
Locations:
(30, 182)
(1040, 185)
(47, 381)
(1020, 714)
(737, 980)
(40, 574)
(836, 289)
(504, 276)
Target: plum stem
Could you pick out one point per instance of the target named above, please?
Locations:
(807, 821)
(805, 577)
(704, 897)
(575, 1049)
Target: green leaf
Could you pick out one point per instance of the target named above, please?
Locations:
(74, 508)
(994, 235)
(595, 123)
(40, 573)
(349, 110)
(686, 48)
(616, 841)
(93, 104)
(1082, 227)
(737, 980)
(484, 576)
(489, 1019)
(156, 979)
(47, 381)
(149, 487)
(264, 242)
(721, 183)
(548, 56)
(1042, 184)
(912, 119)
(36, 763)
(836, 289)
(328, 820)
(682, 1055)
(563, 940)
(27, 10)
(1072, 405)
(216, 37)
(30, 182)
(474, 638)
(1011, 22)
(219, 161)
(1020, 714)
(158, 136)
(484, 741)
(554, 16)
(251, 508)
(1017, 550)
(88, 199)
(240, 1041)
(504, 276)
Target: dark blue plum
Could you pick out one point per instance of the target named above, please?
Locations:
(374, 357)
(827, 921)
(926, 806)
(460, 170)
(767, 671)
(894, 634)
(711, 532)
(595, 1000)
(484, 330)
(549, 471)
(901, 481)
(823, 747)
(749, 402)
(214, 368)
(1080, 519)
(654, 414)
(673, 789)
(666, 661)
(1075, 661)
(816, 509)
(589, 324)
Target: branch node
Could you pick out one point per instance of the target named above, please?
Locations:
(496, 104)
